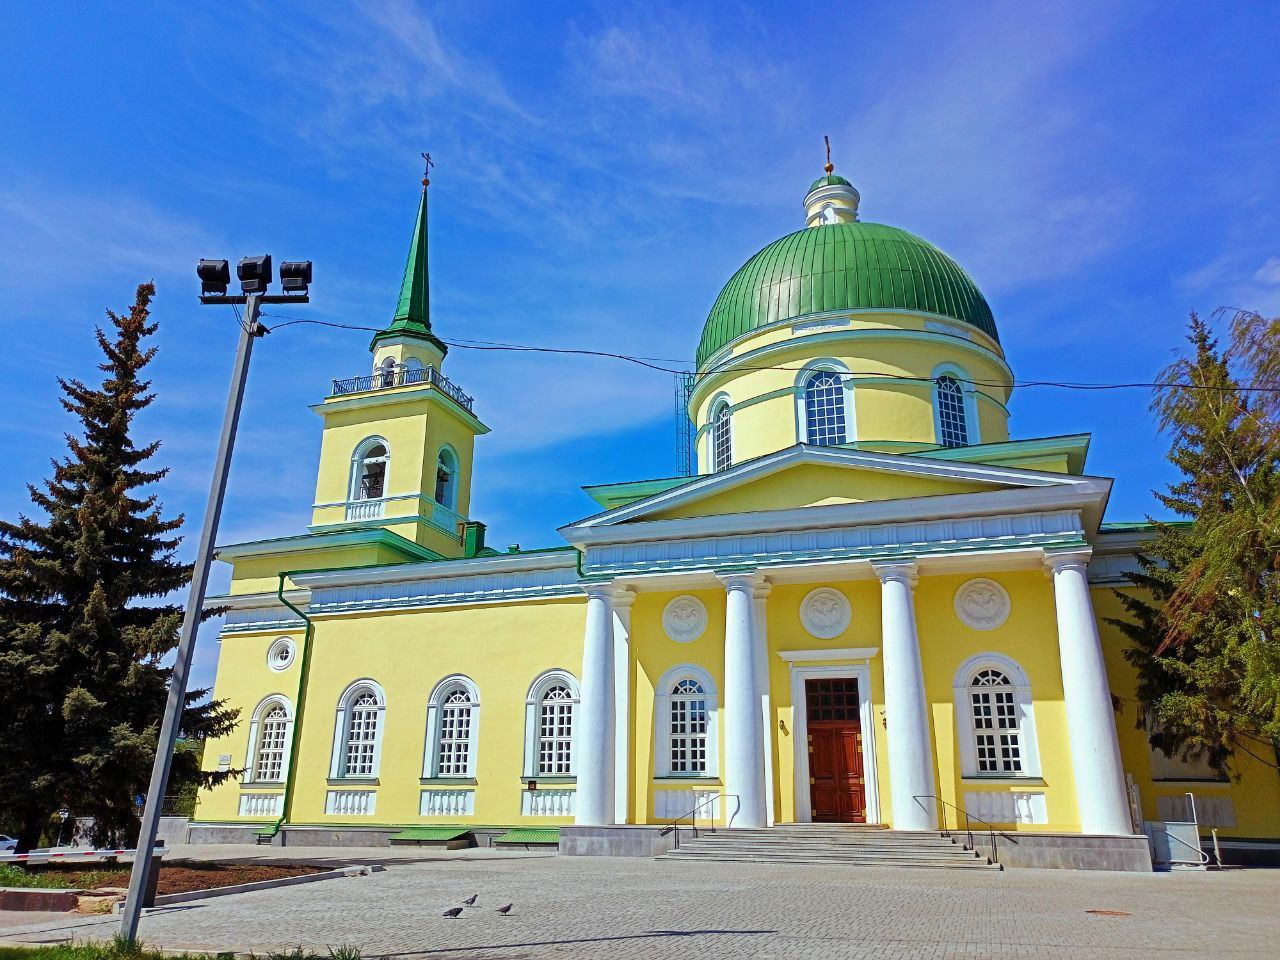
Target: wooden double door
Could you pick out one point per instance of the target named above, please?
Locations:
(837, 789)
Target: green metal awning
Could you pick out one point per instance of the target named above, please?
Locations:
(530, 835)
(430, 833)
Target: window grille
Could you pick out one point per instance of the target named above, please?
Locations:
(721, 440)
(689, 724)
(373, 473)
(555, 732)
(997, 738)
(362, 737)
(272, 733)
(953, 427)
(454, 757)
(824, 409)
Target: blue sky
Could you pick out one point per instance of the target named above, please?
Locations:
(1100, 169)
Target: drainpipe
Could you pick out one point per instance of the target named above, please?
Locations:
(299, 700)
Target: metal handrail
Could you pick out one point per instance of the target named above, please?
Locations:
(692, 816)
(400, 376)
(1205, 859)
(968, 830)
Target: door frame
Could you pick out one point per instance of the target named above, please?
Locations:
(800, 672)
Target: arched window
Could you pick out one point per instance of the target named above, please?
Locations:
(358, 731)
(951, 412)
(412, 372)
(387, 373)
(369, 470)
(995, 719)
(550, 711)
(685, 711)
(270, 733)
(452, 726)
(824, 409)
(721, 438)
(447, 479)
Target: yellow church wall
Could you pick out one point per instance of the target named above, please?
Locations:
(813, 484)
(1254, 787)
(1029, 638)
(244, 680)
(653, 653)
(261, 574)
(763, 401)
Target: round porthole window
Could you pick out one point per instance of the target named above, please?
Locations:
(281, 654)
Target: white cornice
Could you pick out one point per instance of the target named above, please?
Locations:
(439, 569)
(257, 601)
(841, 653)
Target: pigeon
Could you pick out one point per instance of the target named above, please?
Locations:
(452, 912)
(471, 900)
(504, 910)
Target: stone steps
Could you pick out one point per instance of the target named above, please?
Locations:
(851, 845)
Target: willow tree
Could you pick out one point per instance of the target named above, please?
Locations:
(85, 616)
(1206, 625)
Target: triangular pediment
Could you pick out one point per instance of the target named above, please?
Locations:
(803, 477)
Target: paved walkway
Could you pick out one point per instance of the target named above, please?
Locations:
(631, 908)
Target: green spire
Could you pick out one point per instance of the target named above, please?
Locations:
(413, 312)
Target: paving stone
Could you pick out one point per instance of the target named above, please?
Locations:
(636, 908)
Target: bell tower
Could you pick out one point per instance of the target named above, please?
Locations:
(396, 451)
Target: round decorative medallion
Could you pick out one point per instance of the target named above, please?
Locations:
(825, 613)
(281, 654)
(982, 604)
(684, 619)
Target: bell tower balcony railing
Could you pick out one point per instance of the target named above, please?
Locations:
(444, 519)
(402, 376)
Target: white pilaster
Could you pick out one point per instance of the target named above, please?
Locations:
(1091, 722)
(594, 735)
(622, 602)
(743, 740)
(759, 613)
(906, 709)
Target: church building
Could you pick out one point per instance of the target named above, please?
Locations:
(866, 604)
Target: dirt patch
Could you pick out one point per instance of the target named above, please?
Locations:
(176, 878)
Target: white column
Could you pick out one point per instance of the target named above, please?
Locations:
(743, 742)
(905, 707)
(594, 735)
(622, 601)
(759, 596)
(1091, 722)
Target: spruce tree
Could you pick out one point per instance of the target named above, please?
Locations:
(1205, 625)
(85, 613)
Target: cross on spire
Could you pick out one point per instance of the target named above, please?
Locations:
(830, 167)
(428, 163)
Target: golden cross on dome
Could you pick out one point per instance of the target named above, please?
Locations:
(830, 167)
(427, 164)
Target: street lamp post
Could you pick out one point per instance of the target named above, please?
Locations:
(255, 277)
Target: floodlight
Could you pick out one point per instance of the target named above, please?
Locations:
(254, 273)
(214, 276)
(295, 276)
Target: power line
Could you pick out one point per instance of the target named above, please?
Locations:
(656, 363)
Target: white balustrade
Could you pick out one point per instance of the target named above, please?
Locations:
(260, 804)
(350, 803)
(547, 803)
(447, 803)
(365, 509)
(670, 804)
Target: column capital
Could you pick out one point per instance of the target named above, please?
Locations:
(623, 597)
(599, 589)
(747, 580)
(1059, 560)
(761, 590)
(903, 571)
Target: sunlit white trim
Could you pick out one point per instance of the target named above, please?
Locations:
(256, 719)
(337, 763)
(532, 716)
(662, 721)
(802, 396)
(961, 689)
(435, 707)
(800, 735)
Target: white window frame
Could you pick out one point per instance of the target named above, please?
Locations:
(802, 411)
(435, 707)
(965, 731)
(662, 722)
(337, 762)
(255, 736)
(450, 456)
(968, 393)
(357, 468)
(532, 718)
(719, 404)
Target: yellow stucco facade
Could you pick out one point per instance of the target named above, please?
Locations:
(393, 672)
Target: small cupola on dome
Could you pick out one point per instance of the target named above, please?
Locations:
(831, 198)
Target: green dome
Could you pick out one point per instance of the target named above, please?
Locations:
(842, 266)
(830, 180)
